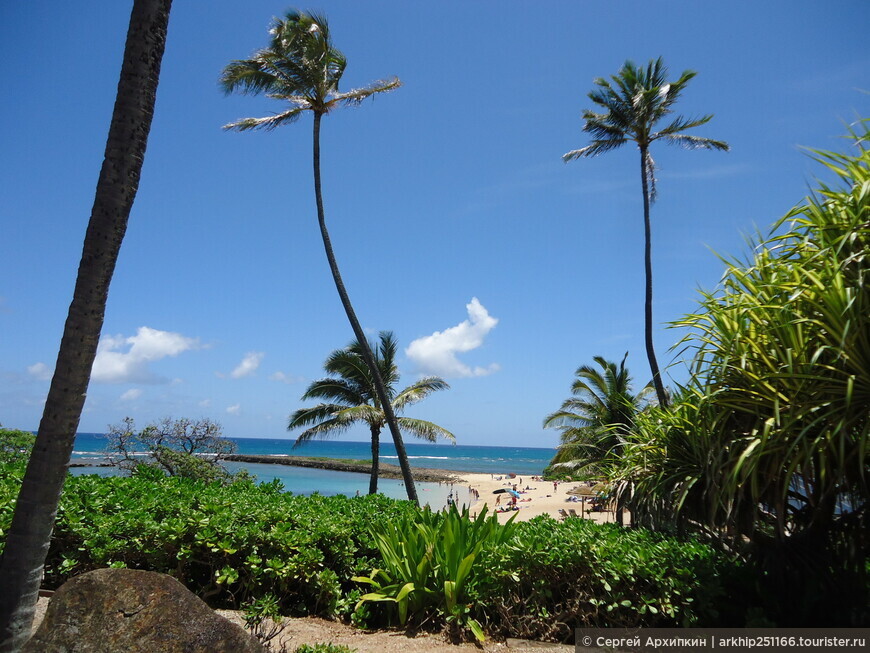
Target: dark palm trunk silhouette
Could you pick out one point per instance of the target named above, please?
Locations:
(647, 306)
(376, 449)
(366, 351)
(35, 511)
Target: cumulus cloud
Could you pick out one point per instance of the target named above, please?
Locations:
(126, 360)
(40, 371)
(131, 394)
(249, 365)
(436, 354)
(235, 409)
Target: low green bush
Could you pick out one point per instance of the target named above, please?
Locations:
(228, 544)
(254, 545)
(556, 576)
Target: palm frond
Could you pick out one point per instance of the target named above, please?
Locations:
(681, 124)
(347, 392)
(593, 149)
(425, 430)
(419, 391)
(357, 95)
(689, 142)
(268, 123)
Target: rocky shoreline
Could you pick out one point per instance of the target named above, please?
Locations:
(385, 470)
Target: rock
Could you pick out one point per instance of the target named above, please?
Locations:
(131, 611)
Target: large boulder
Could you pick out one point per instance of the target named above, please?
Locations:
(131, 611)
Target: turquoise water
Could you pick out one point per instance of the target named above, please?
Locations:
(89, 447)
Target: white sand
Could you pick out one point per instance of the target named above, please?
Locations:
(541, 499)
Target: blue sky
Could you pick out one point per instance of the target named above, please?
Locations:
(455, 222)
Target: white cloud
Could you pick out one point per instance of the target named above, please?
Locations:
(235, 409)
(249, 365)
(40, 371)
(113, 365)
(436, 354)
(205, 403)
(284, 378)
(131, 394)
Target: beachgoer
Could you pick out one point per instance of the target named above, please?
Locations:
(555, 485)
(498, 500)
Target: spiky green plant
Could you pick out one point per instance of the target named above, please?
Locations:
(772, 444)
(428, 563)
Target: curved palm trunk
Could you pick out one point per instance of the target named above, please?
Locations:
(648, 318)
(357, 329)
(376, 445)
(33, 521)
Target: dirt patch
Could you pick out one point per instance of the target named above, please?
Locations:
(310, 630)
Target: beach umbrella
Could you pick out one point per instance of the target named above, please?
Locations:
(501, 490)
(514, 493)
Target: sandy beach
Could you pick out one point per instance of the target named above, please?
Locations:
(539, 499)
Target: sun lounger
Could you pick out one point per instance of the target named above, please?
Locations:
(563, 514)
(573, 512)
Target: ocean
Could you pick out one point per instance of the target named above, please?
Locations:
(90, 447)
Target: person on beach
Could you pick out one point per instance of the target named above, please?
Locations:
(555, 485)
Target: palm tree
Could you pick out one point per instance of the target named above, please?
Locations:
(302, 68)
(638, 99)
(598, 415)
(352, 399)
(33, 521)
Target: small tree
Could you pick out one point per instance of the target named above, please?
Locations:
(182, 447)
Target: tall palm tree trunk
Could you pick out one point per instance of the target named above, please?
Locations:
(33, 521)
(357, 329)
(648, 316)
(376, 446)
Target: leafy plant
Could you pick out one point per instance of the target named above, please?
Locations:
(768, 449)
(427, 563)
(263, 619)
(557, 576)
(324, 648)
(15, 445)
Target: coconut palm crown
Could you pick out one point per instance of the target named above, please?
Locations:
(301, 67)
(350, 398)
(634, 102)
(599, 413)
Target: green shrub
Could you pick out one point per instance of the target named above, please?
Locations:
(228, 544)
(15, 446)
(555, 576)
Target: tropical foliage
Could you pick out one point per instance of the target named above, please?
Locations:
(353, 399)
(770, 444)
(15, 445)
(633, 103)
(427, 564)
(302, 68)
(595, 420)
(557, 576)
(255, 546)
